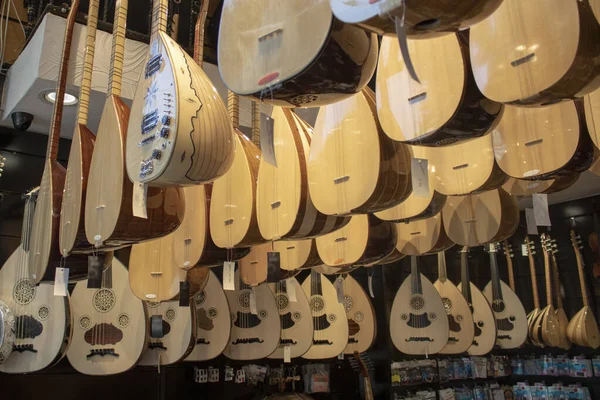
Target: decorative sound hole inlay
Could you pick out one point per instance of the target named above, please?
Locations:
(296, 316)
(104, 300)
(404, 317)
(459, 318)
(432, 316)
(123, 320)
(331, 317)
(244, 299)
(200, 298)
(447, 304)
(153, 304)
(262, 314)
(43, 313)
(417, 303)
(303, 99)
(282, 302)
(317, 304)
(170, 314)
(348, 303)
(24, 291)
(85, 322)
(212, 313)
(359, 316)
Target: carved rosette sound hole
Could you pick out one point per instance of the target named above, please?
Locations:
(417, 303)
(152, 304)
(404, 317)
(212, 313)
(303, 99)
(432, 316)
(85, 322)
(331, 317)
(359, 316)
(244, 300)
(200, 298)
(104, 300)
(282, 302)
(447, 304)
(459, 318)
(170, 314)
(262, 314)
(317, 304)
(348, 303)
(123, 320)
(24, 292)
(43, 313)
(296, 316)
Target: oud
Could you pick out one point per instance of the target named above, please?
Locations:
(297, 254)
(109, 217)
(362, 322)
(179, 132)
(44, 247)
(522, 187)
(418, 322)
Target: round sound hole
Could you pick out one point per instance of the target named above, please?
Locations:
(459, 318)
(432, 316)
(498, 306)
(417, 302)
(200, 298)
(358, 317)
(428, 24)
(331, 318)
(123, 320)
(85, 322)
(24, 292)
(212, 313)
(244, 300)
(262, 314)
(282, 302)
(404, 317)
(104, 300)
(296, 316)
(348, 303)
(317, 304)
(447, 304)
(43, 313)
(170, 314)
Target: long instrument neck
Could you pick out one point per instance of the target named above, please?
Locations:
(548, 273)
(464, 276)
(582, 280)
(534, 286)
(160, 10)
(54, 134)
(118, 48)
(256, 123)
(496, 287)
(233, 107)
(316, 288)
(509, 265)
(199, 34)
(442, 276)
(415, 275)
(556, 282)
(88, 63)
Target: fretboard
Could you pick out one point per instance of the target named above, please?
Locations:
(496, 288)
(256, 123)
(199, 34)
(415, 276)
(160, 10)
(88, 63)
(315, 283)
(233, 107)
(118, 48)
(464, 276)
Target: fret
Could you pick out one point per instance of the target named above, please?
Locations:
(233, 107)
(118, 48)
(199, 34)
(88, 63)
(160, 10)
(256, 123)
(54, 135)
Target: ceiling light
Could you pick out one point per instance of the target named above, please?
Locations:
(70, 100)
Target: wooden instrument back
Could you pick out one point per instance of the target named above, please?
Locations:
(592, 113)
(422, 237)
(520, 56)
(543, 142)
(267, 50)
(445, 107)
(522, 187)
(364, 240)
(376, 177)
(477, 219)
(297, 254)
(253, 267)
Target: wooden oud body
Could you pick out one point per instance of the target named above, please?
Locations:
(297, 254)
(376, 177)
(44, 252)
(529, 60)
(253, 336)
(460, 318)
(362, 323)
(191, 137)
(583, 329)
(109, 326)
(72, 217)
(417, 326)
(484, 323)
(43, 321)
(422, 19)
(511, 319)
(424, 236)
(109, 219)
(213, 321)
(522, 187)
(267, 50)
(329, 319)
(296, 320)
(543, 142)
(179, 330)
(440, 110)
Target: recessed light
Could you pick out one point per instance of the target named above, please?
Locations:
(69, 99)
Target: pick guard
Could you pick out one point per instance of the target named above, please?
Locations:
(286, 320)
(453, 324)
(321, 323)
(27, 327)
(418, 321)
(103, 334)
(504, 324)
(246, 320)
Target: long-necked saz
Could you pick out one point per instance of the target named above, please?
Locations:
(329, 318)
(460, 318)
(110, 220)
(533, 315)
(213, 321)
(421, 19)
(72, 226)
(483, 316)
(561, 315)
(295, 318)
(375, 178)
(179, 133)
(511, 319)
(362, 322)
(445, 106)
(418, 322)
(42, 321)
(520, 56)
(546, 327)
(44, 246)
(255, 329)
(267, 50)
(109, 325)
